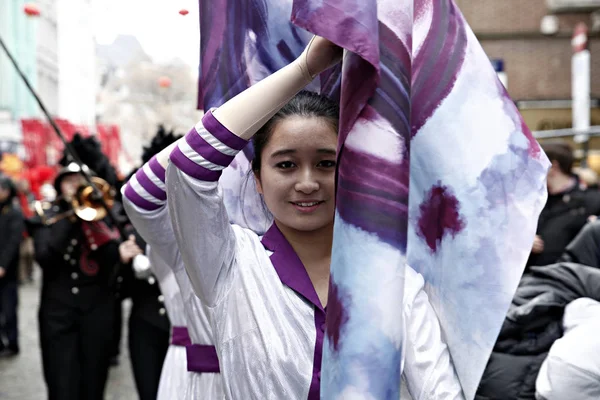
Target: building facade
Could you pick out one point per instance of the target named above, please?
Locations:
(57, 52)
(538, 66)
(19, 34)
(532, 38)
(77, 80)
(47, 55)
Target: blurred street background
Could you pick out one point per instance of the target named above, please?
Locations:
(115, 70)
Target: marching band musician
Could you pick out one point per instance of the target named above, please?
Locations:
(11, 229)
(76, 314)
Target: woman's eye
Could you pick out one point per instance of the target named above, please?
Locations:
(327, 164)
(285, 165)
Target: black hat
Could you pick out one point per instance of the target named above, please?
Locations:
(70, 169)
(90, 153)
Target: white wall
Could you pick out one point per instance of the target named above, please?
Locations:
(47, 55)
(77, 62)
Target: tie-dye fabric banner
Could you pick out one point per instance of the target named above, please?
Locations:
(477, 186)
(436, 171)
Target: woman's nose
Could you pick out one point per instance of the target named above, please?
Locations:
(307, 183)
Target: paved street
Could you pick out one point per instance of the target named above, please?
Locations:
(21, 377)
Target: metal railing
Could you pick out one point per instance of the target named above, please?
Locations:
(559, 133)
(572, 5)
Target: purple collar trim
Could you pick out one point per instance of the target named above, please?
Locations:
(290, 269)
(292, 273)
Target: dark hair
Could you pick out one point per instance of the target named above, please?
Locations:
(561, 152)
(304, 104)
(7, 184)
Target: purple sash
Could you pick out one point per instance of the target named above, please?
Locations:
(180, 336)
(202, 358)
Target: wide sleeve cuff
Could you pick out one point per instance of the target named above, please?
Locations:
(207, 149)
(146, 189)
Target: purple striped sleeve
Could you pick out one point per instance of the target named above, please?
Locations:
(200, 146)
(207, 161)
(192, 169)
(158, 169)
(224, 135)
(138, 200)
(150, 186)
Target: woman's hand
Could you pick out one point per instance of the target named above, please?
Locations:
(128, 250)
(538, 245)
(163, 156)
(247, 112)
(320, 55)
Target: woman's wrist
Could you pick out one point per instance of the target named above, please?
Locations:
(302, 65)
(163, 156)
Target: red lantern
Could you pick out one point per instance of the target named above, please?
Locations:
(32, 10)
(164, 82)
(184, 12)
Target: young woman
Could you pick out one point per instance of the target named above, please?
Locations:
(267, 296)
(145, 203)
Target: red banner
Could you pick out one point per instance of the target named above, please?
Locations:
(43, 147)
(35, 140)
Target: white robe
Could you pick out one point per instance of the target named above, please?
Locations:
(174, 376)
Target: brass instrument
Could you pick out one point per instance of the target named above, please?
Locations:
(84, 205)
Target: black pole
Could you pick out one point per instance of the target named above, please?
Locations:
(70, 150)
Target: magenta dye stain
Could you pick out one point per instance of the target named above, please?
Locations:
(439, 216)
(337, 316)
(534, 147)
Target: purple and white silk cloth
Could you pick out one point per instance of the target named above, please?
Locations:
(436, 170)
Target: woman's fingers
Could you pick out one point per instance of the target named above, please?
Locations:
(322, 54)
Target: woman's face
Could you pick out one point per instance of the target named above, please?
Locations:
(297, 174)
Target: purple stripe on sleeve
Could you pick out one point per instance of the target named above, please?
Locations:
(138, 200)
(158, 169)
(150, 186)
(200, 146)
(224, 135)
(192, 169)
